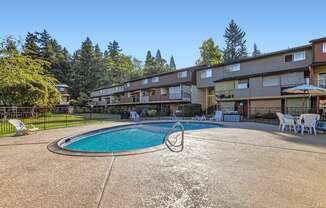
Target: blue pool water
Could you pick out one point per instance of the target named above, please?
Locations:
(120, 140)
(127, 138)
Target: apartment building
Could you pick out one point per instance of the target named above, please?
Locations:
(250, 85)
(257, 83)
(164, 90)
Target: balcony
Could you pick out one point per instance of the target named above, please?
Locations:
(322, 83)
(224, 94)
(99, 103)
(155, 98)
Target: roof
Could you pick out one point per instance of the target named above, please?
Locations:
(154, 75)
(107, 86)
(170, 72)
(252, 58)
(318, 40)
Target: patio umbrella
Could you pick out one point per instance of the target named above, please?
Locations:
(305, 89)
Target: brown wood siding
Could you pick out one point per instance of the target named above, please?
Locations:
(164, 80)
(318, 52)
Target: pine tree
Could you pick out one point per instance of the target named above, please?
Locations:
(256, 51)
(43, 41)
(30, 47)
(158, 57)
(235, 43)
(117, 66)
(85, 69)
(113, 49)
(11, 45)
(210, 53)
(150, 64)
(161, 65)
(172, 63)
(99, 62)
(62, 69)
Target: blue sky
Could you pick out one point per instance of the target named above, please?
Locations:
(176, 27)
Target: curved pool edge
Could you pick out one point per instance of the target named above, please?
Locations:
(55, 147)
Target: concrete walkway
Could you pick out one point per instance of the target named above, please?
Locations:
(241, 165)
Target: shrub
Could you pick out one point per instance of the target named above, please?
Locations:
(73, 102)
(114, 110)
(142, 110)
(189, 110)
(151, 113)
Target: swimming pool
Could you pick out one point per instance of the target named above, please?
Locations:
(126, 137)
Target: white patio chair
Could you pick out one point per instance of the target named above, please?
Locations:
(218, 116)
(21, 129)
(286, 121)
(134, 116)
(309, 122)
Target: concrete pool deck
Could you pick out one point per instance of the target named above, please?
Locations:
(241, 165)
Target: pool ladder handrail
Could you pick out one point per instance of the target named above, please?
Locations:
(173, 146)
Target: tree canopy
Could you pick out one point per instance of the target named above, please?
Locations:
(156, 64)
(23, 81)
(256, 51)
(235, 43)
(88, 67)
(210, 53)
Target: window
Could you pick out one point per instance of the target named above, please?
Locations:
(299, 56)
(128, 84)
(324, 47)
(155, 79)
(206, 73)
(164, 91)
(242, 84)
(233, 67)
(61, 89)
(289, 58)
(322, 76)
(145, 81)
(296, 78)
(182, 74)
(271, 81)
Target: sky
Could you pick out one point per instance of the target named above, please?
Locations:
(175, 27)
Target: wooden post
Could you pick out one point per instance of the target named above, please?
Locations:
(206, 100)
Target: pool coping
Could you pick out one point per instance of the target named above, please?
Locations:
(55, 147)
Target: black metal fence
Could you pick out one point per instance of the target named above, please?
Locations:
(46, 118)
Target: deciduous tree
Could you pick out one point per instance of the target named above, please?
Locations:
(210, 53)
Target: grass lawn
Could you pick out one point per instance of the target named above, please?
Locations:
(57, 121)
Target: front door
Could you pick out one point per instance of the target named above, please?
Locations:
(242, 107)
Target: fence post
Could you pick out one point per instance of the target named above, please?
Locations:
(67, 117)
(44, 122)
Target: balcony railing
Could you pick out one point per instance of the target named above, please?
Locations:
(322, 83)
(99, 103)
(144, 99)
(222, 94)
